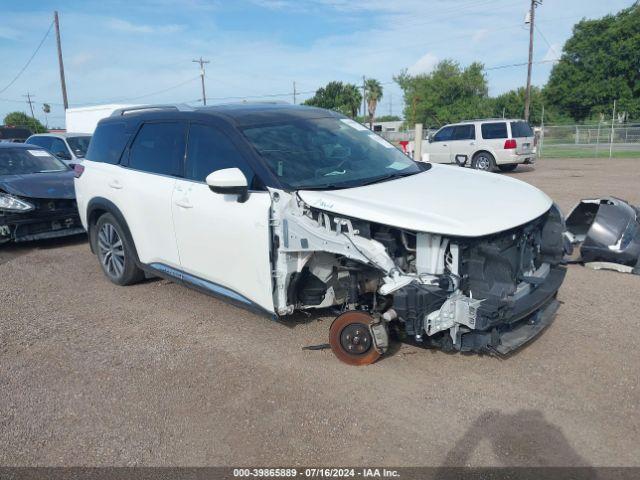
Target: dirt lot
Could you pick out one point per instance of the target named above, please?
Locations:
(157, 374)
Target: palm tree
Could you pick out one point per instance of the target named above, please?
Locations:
(351, 98)
(373, 90)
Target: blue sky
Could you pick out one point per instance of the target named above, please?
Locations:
(140, 51)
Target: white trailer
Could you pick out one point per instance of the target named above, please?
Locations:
(85, 119)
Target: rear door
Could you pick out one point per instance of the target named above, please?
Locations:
(522, 132)
(462, 142)
(438, 148)
(145, 187)
(224, 244)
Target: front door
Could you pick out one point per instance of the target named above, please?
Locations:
(223, 244)
(438, 148)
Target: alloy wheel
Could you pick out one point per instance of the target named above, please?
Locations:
(111, 250)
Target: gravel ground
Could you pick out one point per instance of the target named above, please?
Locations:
(157, 374)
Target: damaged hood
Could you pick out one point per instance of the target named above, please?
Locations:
(40, 185)
(444, 199)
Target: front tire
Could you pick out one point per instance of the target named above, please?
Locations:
(484, 161)
(116, 254)
(509, 167)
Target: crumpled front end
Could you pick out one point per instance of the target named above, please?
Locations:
(485, 294)
(48, 218)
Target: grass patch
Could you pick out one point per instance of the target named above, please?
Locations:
(564, 152)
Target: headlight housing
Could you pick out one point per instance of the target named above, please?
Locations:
(13, 204)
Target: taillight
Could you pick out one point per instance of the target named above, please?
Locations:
(78, 170)
(510, 144)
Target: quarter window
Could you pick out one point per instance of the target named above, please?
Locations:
(159, 148)
(443, 134)
(464, 132)
(521, 129)
(107, 143)
(494, 130)
(209, 150)
(58, 147)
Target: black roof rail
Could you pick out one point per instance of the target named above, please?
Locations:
(177, 107)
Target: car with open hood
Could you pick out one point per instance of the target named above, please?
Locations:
(37, 198)
(281, 208)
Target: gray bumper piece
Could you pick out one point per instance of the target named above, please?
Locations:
(528, 329)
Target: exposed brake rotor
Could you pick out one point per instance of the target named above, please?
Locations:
(351, 340)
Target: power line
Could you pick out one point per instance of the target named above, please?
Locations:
(28, 61)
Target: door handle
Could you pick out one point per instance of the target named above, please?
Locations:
(183, 203)
(115, 184)
(472, 143)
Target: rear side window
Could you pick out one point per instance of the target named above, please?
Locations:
(58, 147)
(44, 142)
(159, 148)
(443, 135)
(521, 129)
(209, 150)
(464, 132)
(494, 130)
(107, 143)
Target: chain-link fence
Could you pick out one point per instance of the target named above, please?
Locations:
(589, 141)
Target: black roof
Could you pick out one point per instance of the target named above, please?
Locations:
(240, 114)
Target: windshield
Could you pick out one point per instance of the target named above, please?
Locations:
(325, 153)
(19, 161)
(79, 145)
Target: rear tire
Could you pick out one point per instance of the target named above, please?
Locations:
(508, 167)
(116, 254)
(484, 161)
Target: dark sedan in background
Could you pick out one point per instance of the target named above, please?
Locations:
(37, 197)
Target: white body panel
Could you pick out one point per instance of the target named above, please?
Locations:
(224, 241)
(85, 119)
(442, 200)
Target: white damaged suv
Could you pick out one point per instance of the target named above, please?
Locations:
(281, 208)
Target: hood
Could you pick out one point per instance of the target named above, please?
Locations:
(445, 199)
(40, 185)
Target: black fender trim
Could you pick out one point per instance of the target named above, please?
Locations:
(98, 204)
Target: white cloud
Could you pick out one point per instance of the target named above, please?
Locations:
(126, 26)
(480, 35)
(9, 33)
(424, 64)
(80, 59)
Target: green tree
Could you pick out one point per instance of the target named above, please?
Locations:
(448, 94)
(340, 97)
(373, 90)
(599, 64)
(20, 119)
(511, 105)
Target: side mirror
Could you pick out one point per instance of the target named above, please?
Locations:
(229, 181)
(62, 155)
(430, 138)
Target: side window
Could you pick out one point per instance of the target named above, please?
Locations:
(159, 148)
(209, 150)
(44, 142)
(58, 146)
(494, 130)
(464, 132)
(107, 143)
(443, 135)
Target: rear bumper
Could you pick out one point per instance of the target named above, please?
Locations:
(510, 158)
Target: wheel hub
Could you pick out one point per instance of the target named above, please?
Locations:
(351, 339)
(356, 339)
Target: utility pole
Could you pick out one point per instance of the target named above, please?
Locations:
(63, 82)
(390, 104)
(202, 64)
(28, 97)
(294, 92)
(532, 17)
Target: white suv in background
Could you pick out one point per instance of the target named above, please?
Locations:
(483, 144)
